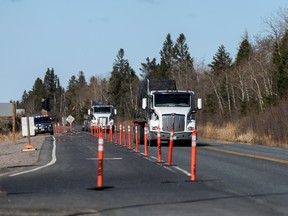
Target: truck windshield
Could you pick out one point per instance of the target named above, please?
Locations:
(172, 100)
(102, 109)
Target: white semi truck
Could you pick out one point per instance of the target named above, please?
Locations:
(102, 114)
(167, 108)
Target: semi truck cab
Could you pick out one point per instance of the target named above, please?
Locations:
(171, 109)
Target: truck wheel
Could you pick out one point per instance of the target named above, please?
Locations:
(152, 142)
(141, 133)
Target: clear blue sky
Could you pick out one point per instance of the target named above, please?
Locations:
(86, 35)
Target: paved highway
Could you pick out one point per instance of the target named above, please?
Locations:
(232, 179)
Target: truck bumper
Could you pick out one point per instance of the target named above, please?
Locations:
(165, 136)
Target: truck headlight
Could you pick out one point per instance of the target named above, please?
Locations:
(191, 125)
(189, 128)
(154, 125)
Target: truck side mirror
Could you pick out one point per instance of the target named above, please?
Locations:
(115, 111)
(144, 103)
(199, 103)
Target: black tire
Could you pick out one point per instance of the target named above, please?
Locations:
(152, 142)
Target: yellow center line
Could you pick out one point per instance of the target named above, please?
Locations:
(247, 155)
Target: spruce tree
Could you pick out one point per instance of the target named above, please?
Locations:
(243, 57)
(38, 91)
(220, 80)
(245, 51)
(71, 94)
(280, 59)
(182, 68)
(53, 89)
(166, 59)
(221, 61)
(122, 84)
(149, 69)
(181, 50)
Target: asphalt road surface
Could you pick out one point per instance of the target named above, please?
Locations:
(232, 179)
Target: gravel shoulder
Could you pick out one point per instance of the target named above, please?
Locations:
(14, 159)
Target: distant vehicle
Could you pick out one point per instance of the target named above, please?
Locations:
(102, 114)
(43, 124)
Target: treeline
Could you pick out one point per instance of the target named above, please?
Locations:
(232, 89)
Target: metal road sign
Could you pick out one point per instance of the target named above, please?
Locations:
(70, 119)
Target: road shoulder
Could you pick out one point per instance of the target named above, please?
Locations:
(14, 159)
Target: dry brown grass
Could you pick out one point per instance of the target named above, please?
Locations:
(211, 131)
(268, 127)
(246, 137)
(9, 136)
(234, 133)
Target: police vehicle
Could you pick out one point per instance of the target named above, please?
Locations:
(43, 124)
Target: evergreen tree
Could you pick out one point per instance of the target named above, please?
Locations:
(117, 82)
(221, 80)
(244, 55)
(221, 61)
(181, 50)
(280, 59)
(245, 51)
(115, 89)
(182, 69)
(53, 89)
(122, 84)
(27, 103)
(82, 95)
(149, 68)
(82, 80)
(166, 59)
(24, 97)
(82, 99)
(39, 93)
(71, 95)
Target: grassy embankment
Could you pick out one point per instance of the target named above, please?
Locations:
(269, 127)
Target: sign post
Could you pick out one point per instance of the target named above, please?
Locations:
(70, 119)
(29, 121)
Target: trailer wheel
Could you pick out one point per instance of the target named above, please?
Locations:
(141, 133)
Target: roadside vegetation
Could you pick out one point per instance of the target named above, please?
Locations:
(9, 136)
(244, 99)
(268, 127)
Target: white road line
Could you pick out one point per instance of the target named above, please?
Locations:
(53, 160)
(168, 168)
(104, 158)
(148, 158)
(183, 171)
(154, 158)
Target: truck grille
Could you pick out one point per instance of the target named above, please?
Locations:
(102, 121)
(177, 119)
